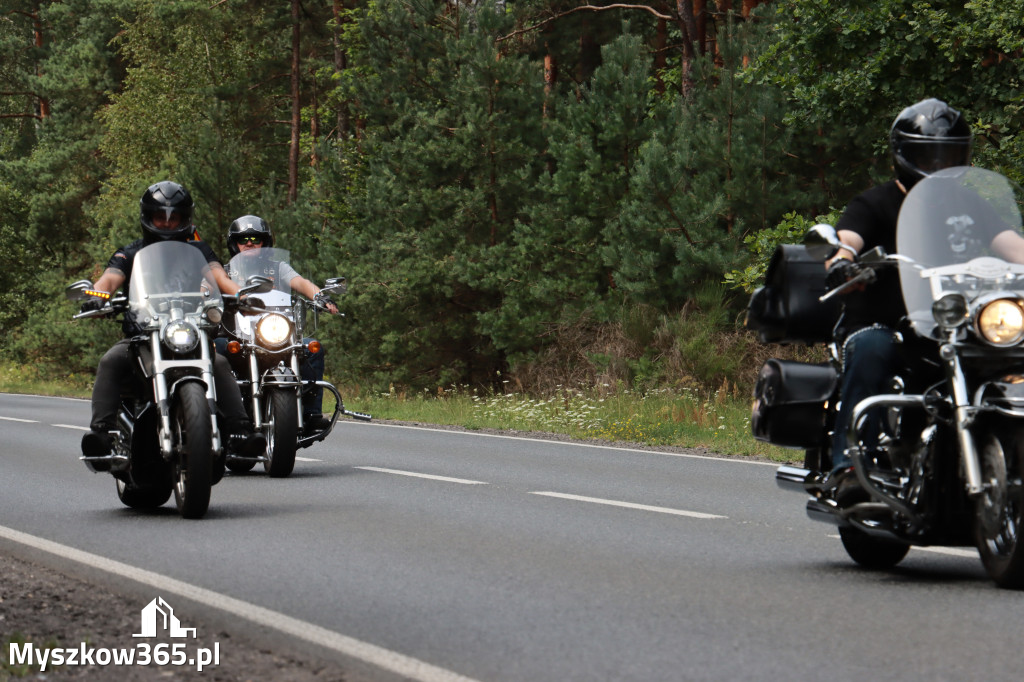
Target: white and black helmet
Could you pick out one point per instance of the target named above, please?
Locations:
(926, 137)
(248, 227)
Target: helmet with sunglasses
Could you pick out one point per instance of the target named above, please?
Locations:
(926, 137)
(249, 228)
(165, 212)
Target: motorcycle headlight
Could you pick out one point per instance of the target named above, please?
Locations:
(1001, 322)
(273, 330)
(180, 336)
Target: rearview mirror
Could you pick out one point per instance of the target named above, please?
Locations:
(257, 284)
(76, 291)
(822, 242)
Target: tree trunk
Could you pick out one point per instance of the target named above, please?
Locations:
(340, 64)
(37, 26)
(293, 152)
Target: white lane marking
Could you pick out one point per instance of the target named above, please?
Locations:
(15, 419)
(71, 426)
(432, 477)
(561, 442)
(948, 551)
(307, 459)
(405, 666)
(632, 505)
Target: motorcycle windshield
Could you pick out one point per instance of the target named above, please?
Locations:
(959, 231)
(266, 262)
(169, 275)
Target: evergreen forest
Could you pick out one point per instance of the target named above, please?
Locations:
(534, 191)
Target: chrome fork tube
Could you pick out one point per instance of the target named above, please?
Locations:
(963, 417)
(161, 396)
(257, 390)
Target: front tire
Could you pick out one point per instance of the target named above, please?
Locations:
(997, 517)
(193, 444)
(283, 435)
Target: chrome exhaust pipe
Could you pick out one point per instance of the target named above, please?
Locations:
(796, 479)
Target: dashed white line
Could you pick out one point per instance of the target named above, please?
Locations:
(307, 459)
(948, 551)
(632, 505)
(71, 426)
(15, 419)
(419, 475)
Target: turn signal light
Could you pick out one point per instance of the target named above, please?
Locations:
(98, 294)
(314, 346)
(234, 347)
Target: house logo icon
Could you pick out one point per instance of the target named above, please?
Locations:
(158, 616)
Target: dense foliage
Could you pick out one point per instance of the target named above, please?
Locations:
(513, 188)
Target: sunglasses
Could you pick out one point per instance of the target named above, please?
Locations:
(250, 240)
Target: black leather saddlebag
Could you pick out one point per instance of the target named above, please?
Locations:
(789, 402)
(786, 309)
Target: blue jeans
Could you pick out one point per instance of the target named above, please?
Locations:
(870, 360)
(311, 369)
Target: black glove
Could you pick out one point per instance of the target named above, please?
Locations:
(840, 272)
(92, 304)
(324, 300)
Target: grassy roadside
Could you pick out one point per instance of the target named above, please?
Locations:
(718, 421)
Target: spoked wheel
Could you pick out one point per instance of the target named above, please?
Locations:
(997, 517)
(283, 434)
(193, 443)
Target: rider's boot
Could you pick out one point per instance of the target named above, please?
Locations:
(97, 444)
(246, 442)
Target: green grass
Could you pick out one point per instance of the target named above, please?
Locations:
(716, 420)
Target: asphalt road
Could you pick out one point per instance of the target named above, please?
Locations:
(500, 558)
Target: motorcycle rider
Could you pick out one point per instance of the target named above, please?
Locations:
(251, 232)
(926, 137)
(165, 214)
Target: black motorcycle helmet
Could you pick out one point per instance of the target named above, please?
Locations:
(926, 137)
(249, 226)
(163, 200)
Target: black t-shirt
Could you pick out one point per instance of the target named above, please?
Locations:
(872, 215)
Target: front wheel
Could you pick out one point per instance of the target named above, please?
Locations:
(282, 439)
(193, 445)
(997, 517)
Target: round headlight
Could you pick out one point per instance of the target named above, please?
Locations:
(950, 311)
(273, 330)
(180, 336)
(1001, 322)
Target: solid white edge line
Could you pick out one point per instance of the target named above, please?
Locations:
(15, 419)
(632, 505)
(579, 445)
(71, 426)
(348, 646)
(418, 475)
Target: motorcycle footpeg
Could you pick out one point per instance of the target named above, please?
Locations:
(105, 463)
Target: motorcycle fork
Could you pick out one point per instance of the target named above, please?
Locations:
(963, 418)
(298, 394)
(162, 393)
(257, 391)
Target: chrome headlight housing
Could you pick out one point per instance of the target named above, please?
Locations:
(1000, 321)
(273, 331)
(950, 311)
(181, 336)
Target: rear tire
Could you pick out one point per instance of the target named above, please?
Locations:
(142, 497)
(997, 517)
(871, 552)
(193, 444)
(283, 435)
